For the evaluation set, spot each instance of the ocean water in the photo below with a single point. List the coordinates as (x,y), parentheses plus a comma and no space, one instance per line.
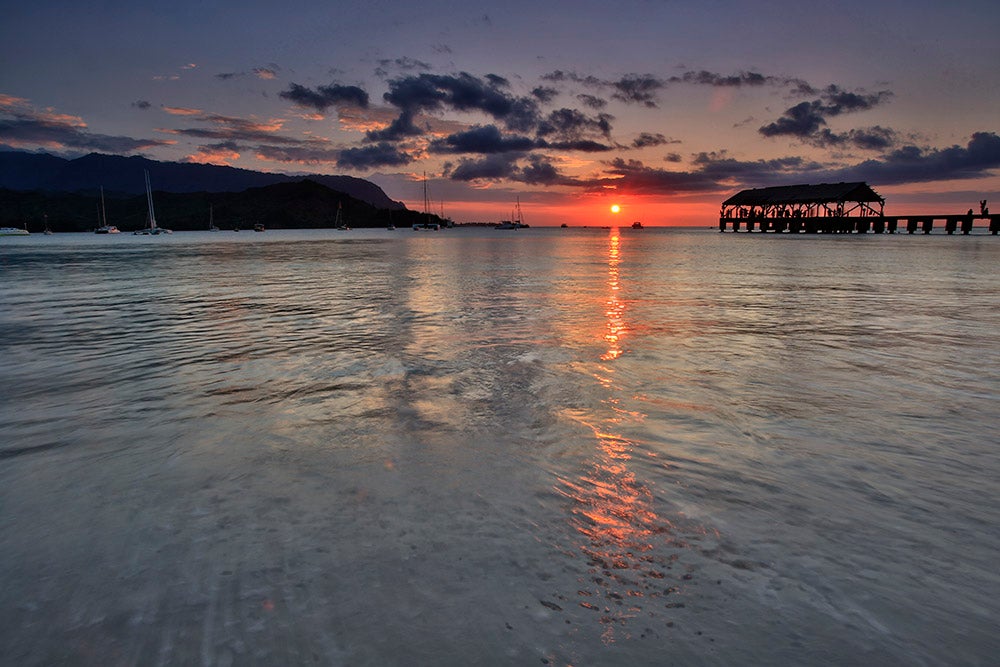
(545,446)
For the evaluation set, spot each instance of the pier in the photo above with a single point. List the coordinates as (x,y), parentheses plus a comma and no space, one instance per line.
(835,208)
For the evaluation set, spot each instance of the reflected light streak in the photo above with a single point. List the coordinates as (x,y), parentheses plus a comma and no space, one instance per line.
(627,545)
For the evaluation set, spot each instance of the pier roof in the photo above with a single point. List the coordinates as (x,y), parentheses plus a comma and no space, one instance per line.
(804,194)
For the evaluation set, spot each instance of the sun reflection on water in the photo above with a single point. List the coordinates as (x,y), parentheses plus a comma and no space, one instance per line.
(631,551)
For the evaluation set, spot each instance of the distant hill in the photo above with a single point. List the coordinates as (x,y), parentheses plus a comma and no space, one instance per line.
(124,176)
(299,205)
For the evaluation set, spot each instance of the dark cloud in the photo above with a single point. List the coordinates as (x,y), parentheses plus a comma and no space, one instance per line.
(638,89)
(646,139)
(463,92)
(325,97)
(231,128)
(592,101)
(540,171)
(404,64)
(806,120)
(492,167)
(570,124)
(537,171)
(544,94)
(582,145)
(483,139)
(672,157)
(141,104)
(875,138)
(634,177)
(401,128)
(802,120)
(705,78)
(912,164)
(298,154)
(225,76)
(383,154)
(27,127)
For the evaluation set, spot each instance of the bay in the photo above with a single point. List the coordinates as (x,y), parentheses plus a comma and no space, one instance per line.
(545,446)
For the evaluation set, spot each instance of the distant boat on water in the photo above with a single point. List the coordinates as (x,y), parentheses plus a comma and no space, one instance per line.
(636,225)
(102,218)
(259,227)
(13,231)
(516,221)
(151,228)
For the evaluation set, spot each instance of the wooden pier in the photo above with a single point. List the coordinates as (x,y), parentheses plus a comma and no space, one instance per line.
(834,208)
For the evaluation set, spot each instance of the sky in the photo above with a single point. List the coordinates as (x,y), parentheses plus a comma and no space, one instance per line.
(665,108)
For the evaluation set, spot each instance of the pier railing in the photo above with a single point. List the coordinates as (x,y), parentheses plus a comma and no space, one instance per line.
(879,224)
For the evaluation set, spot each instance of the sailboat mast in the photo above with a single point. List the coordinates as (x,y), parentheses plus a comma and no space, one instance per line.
(104,212)
(149,200)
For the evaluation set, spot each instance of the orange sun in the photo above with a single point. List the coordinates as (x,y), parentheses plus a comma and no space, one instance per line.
(615,208)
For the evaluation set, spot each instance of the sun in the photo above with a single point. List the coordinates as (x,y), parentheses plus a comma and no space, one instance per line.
(615,208)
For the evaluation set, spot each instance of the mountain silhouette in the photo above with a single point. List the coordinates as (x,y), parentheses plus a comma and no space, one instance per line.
(120,175)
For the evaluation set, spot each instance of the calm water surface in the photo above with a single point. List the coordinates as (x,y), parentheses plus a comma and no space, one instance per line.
(565,447)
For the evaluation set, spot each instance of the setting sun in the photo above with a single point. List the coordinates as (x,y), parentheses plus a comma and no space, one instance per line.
(615,208)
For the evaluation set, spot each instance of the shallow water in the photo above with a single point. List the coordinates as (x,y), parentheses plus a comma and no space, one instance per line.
(546,446)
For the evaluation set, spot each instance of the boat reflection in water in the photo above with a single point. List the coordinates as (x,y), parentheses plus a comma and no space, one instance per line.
(632,552)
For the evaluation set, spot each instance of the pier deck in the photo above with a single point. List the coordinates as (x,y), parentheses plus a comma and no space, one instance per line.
(879,224)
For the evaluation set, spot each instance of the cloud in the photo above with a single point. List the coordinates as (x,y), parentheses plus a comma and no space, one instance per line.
(315,153)
(225,153)
(400,128)
(231,128)
(383,154)
(463,92)
(806,120)
(592,101)
(912,164)
(570,124)
(492,167)
(325,97)
(266,72)
(638,89)
(705,78)
(405,64)
(141,104)
(483,139)
(544,94)
(23,126)
(647,139)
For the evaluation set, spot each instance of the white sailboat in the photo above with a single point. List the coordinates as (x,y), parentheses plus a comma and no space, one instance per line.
(151,227)
(211,220)
(102,218)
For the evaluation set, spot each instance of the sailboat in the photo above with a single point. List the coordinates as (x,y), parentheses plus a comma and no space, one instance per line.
(338,222)
(211,220)
(102,217)
(151,228)
(427,225)
(516,221)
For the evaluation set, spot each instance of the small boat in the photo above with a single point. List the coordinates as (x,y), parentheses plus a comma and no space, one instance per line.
(636,225)
(102,218)
(211,220)
(259,227)
(13,231)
